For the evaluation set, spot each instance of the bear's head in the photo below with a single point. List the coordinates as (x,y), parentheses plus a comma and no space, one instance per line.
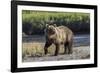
(50,29)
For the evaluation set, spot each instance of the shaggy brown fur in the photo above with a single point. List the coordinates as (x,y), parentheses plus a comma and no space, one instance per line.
(58,35)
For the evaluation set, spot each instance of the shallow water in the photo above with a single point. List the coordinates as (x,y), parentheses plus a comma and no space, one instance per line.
(82,40)
(79,40)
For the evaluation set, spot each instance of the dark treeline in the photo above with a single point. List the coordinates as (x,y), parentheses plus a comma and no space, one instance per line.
(34,21)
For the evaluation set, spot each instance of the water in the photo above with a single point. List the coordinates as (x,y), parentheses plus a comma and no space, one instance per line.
(82,40)
(79,40)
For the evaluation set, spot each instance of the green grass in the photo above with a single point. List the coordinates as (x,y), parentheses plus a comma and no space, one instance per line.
(38,20)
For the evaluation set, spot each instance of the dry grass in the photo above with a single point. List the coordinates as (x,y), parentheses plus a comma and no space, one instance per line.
(35,52)
(36,49)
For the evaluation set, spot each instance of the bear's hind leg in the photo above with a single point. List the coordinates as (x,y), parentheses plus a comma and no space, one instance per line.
(70,51)
(66,48)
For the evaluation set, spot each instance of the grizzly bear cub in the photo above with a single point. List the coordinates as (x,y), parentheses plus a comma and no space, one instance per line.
(57,36)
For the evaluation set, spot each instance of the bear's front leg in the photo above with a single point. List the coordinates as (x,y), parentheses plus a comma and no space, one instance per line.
(57,49)
(47,44)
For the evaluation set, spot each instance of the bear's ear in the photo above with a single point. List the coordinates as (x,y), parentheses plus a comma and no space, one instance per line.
(55,25)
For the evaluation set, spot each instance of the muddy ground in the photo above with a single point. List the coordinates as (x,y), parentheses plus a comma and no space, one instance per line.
(82,52)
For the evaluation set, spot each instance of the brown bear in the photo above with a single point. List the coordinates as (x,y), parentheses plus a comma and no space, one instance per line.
(58,35)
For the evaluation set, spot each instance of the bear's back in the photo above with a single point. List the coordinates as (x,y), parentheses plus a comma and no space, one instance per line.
(66,29)
(63,33)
